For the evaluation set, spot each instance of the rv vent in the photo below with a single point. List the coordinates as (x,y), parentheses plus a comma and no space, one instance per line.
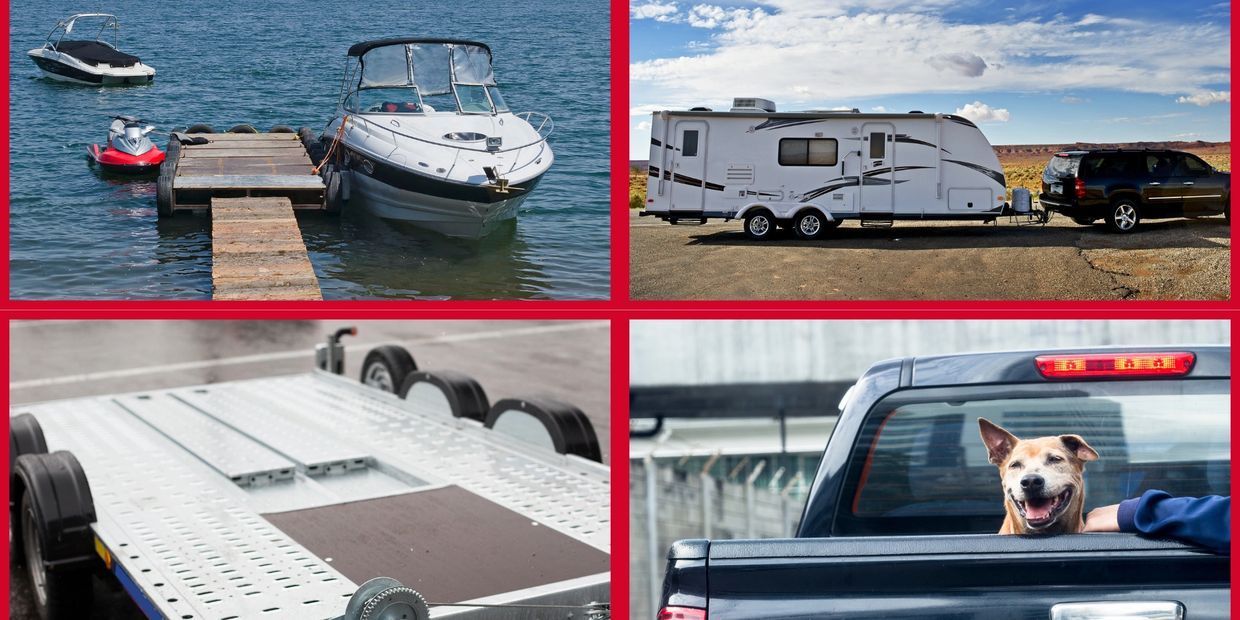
(750,104)
(739,174)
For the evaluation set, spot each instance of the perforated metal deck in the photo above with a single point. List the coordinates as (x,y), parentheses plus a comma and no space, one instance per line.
(172,509)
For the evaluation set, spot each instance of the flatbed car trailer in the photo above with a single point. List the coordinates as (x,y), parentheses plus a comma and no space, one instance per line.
(312,496)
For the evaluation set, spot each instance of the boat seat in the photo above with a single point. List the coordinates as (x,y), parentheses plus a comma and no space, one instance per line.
(95,53)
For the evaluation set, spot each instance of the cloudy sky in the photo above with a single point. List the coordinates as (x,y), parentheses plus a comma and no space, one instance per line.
(1041,71)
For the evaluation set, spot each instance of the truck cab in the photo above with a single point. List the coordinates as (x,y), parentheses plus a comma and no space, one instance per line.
(902,516)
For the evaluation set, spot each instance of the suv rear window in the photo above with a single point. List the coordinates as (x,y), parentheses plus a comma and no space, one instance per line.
(925,468)
(1063,165)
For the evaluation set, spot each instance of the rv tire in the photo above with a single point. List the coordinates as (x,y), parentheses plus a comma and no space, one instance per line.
(1123,216)
(810,224)
(760,225)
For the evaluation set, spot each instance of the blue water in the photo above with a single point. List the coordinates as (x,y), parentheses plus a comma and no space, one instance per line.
(76,234)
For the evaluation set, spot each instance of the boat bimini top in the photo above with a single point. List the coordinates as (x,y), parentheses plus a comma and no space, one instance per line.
(429,77)
(93,52)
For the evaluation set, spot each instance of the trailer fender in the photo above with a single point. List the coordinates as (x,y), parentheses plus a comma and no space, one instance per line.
(567,429)
(63,506)
(786,211)
(466,398)
(809,206)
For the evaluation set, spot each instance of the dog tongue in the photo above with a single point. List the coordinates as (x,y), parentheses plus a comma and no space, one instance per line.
(1038,510)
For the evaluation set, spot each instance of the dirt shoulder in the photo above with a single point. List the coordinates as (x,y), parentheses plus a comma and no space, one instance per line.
(1167,259)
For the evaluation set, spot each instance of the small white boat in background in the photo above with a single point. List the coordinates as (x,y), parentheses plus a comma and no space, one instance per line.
(89,61)
(423,135)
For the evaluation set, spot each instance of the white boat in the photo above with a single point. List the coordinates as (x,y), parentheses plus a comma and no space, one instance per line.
(89,61)
(423,135)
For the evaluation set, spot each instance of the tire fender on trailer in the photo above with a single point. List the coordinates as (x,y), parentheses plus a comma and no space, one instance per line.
(564,427)
(52,525)
(386,367)
(465,396)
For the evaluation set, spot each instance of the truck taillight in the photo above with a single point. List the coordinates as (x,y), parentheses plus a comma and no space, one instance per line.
(1080,188)
(681,613)
(1114,365)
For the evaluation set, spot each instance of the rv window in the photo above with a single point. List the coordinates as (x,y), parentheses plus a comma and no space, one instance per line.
(688,144)
(878,145)
(808,152)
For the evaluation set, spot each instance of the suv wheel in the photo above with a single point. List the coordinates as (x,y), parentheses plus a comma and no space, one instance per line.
(1123,216)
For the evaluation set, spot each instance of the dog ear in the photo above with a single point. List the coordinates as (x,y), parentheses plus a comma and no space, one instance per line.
(1077,445)
(998,441)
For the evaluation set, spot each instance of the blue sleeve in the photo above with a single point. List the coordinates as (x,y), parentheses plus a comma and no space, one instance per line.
(1204,521)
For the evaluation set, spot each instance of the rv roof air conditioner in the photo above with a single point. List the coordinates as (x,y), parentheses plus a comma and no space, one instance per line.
(752,104)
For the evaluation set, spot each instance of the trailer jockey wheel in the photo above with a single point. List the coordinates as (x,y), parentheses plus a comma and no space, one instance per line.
(459,393)
(25,437)
(54,533)
(384,598)
(386,367)
(546,423)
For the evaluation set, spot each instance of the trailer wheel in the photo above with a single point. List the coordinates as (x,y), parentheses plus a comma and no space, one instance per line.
(200,128)
(760,225)
(546,423)
(1123,216)
(812,225)
(243,128)
(25,437)
(282,129)
(387,367)
(464,395)
(52,528)
(163,195)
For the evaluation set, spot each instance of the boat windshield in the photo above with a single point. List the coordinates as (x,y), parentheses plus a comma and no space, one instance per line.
(421,77)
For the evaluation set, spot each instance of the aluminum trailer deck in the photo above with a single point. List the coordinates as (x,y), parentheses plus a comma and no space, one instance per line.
(277,497)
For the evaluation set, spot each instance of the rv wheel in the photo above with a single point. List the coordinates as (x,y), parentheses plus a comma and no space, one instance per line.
(811,225)
(760,225)
(1123,216)
(386,367)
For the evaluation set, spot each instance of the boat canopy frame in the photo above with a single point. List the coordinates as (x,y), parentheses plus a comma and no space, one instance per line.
(65,27)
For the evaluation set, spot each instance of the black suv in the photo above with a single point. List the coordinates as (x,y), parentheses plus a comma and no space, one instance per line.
(1124,187)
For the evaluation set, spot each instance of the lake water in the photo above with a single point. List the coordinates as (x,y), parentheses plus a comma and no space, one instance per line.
(76,234)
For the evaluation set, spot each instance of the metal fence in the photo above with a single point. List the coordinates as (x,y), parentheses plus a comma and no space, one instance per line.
(674,499)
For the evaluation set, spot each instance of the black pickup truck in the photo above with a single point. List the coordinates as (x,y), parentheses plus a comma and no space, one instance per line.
(902,516)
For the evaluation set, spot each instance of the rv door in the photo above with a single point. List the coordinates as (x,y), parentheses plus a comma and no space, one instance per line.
(878,188)
(688,165)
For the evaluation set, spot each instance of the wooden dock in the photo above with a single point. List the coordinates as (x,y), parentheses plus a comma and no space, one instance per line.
(240,165)
(257,252)
(251,183)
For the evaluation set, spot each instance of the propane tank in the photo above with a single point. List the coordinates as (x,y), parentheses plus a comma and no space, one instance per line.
(1022,200)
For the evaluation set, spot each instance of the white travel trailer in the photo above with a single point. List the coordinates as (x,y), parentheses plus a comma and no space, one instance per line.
(809,171)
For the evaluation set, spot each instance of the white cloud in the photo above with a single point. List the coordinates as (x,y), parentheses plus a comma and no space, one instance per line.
(1073,100)
(823,42)
(658,11)
(964,63)
(1205,98)
(979,112)
(880,109)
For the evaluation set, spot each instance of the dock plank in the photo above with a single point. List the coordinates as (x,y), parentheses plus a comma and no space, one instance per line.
(258,253)
(248,181)
(203,151)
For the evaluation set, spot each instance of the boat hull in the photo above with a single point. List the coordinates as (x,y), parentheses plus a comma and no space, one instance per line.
(447,216)
(64,72)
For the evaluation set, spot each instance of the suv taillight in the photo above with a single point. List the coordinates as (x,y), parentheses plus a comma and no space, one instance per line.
(1080,188)
(681,613)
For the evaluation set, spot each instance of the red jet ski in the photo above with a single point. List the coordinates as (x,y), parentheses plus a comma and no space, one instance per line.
(128,151)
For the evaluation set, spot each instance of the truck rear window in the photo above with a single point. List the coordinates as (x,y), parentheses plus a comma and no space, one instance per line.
(923,467)
(1063,165)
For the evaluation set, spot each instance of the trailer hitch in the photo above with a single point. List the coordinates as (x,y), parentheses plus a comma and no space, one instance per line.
(329,356)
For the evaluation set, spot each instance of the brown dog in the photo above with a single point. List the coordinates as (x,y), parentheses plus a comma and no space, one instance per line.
(1043,488)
